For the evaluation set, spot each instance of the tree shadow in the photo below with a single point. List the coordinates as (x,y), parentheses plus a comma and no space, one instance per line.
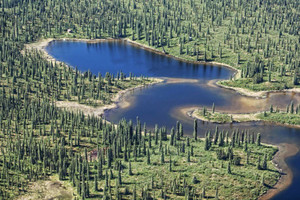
(269,186)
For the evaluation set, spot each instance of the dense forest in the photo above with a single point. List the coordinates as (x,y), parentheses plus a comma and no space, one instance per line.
(261,38)
(127,161)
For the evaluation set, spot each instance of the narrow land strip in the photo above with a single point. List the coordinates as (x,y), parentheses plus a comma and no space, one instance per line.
(232,117)
(279,160)
(99,111)
(256,94)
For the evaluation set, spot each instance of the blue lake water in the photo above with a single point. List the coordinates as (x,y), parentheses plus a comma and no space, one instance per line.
(292,192)
(162,104)
(117,56)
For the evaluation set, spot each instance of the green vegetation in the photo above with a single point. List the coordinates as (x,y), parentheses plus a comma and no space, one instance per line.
(102,160)
(252,36)
(290,116)
(281,117)
(247,83)
(30,76)
(213,116)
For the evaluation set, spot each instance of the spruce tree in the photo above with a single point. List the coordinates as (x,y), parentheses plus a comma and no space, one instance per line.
(129,169)
(258,163)
(264,164)
(258,138)
(148,157)
(195,133)
(229,168)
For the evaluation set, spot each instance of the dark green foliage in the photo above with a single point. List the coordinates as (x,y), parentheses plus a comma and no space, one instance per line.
(295,79)
(130,170)
(170,165)
(258,138)
(207,144)
(229,168)
(39,140)
(222,155)
(148,157)
(195,133)
(246,146)
(258,163)
(236,160)
(194,180)
(248,158)
(162,157)
(264,164)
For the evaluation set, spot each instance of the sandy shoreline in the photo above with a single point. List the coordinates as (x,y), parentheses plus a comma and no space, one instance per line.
(43,43)
(258,94)
(244,117)
(75,106)
(40,45)
(249,93)
(99,111)
(241,117)
(236,74)
(118,100)
(285,151)
(180,80)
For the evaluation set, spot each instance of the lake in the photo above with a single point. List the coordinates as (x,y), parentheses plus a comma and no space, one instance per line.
(166,103)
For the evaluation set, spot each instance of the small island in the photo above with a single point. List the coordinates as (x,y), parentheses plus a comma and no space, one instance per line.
(290,116)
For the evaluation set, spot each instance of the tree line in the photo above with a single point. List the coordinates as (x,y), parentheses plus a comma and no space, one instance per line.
(250,35)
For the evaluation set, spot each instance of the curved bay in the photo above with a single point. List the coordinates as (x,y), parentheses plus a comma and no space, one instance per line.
(164,104)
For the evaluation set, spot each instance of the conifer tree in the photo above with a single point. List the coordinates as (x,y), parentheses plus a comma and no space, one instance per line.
(258,138)
(130,170)
(148,157)
(229,168)
(264,164)
(195,133)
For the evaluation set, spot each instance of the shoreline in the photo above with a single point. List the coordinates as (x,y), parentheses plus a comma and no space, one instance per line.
(284,151)
(237,72)
(100,110)
(118,100)
(43,43)
(241,117)
(74,105)
(258,94)
(249,93)
(244,117)
(40,45)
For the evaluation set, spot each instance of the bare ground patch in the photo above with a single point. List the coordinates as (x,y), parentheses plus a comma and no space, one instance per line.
(48,190)
(181,80)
